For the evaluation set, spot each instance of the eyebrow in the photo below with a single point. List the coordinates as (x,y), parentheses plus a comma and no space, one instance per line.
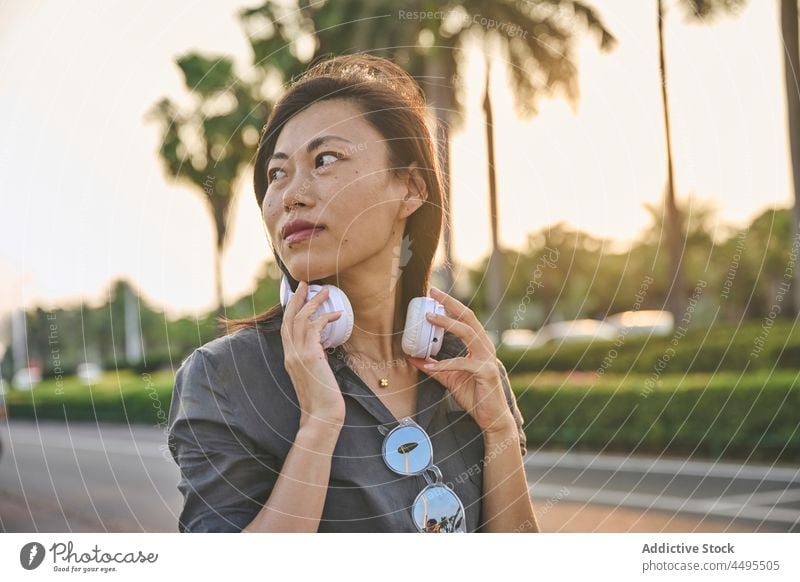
(312,145)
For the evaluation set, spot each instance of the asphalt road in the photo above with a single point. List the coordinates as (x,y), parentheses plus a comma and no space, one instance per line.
(85,477)
(730,496)
(81,477)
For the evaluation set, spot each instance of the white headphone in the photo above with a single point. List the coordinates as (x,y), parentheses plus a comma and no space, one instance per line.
(421,338)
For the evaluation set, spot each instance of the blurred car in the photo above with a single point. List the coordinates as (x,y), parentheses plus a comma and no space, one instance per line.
(645,322)
(26,378)
(88,372)
(633,323)
(519,338)
(576,330)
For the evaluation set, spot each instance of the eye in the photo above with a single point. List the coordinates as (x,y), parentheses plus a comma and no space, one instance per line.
(332,157)
(271,174)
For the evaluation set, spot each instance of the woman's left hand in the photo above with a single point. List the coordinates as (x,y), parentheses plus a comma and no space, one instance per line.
(473,380)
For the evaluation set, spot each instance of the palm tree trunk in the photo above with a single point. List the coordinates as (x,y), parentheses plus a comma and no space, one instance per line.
(495,275)
(791,66)
(675,295)
(441,100)
(218,279)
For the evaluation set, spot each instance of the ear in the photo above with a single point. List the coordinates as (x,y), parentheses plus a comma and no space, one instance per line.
(416,191)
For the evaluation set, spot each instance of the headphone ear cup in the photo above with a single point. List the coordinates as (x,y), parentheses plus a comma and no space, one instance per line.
(421,338)
(336,332)
(285,292)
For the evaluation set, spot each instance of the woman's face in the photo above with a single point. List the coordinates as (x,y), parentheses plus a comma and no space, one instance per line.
(330,167)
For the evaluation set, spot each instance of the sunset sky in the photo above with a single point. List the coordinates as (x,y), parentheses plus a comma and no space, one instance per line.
(84,198)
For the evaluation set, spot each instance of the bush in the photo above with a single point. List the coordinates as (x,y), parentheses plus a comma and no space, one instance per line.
(723,348)
(719,416)
(118,397)
(713,416)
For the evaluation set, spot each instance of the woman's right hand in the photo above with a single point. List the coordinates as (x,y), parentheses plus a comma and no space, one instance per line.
(318,392)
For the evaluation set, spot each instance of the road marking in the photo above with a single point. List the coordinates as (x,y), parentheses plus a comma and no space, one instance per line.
(550,460)
(665,503)
(769,498)
(115,446)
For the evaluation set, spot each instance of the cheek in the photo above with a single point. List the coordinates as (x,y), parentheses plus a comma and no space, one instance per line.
(371,199)
(371,214)
(270,214)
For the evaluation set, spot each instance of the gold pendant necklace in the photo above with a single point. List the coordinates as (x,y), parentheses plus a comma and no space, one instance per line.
(382,382)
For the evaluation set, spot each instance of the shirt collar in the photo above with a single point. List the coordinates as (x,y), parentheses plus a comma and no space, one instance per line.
(430,393)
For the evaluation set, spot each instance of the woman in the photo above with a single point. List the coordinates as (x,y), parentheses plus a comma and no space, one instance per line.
(271,431)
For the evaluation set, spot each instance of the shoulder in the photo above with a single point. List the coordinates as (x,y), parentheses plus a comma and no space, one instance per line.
(214,380)
(225,364)
(242,348)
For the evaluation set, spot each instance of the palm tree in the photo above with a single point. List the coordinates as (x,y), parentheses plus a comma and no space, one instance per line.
(494,271)
(791,66)
(496,266)
(699,11)
(535,39)
(210,144)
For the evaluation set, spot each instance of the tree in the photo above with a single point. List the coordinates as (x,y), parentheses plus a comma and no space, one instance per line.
(699,11)
(496,276)
(535,39)
(209,144)
(791,67)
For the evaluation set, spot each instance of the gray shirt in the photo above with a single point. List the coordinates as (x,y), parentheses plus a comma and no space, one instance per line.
(234,415)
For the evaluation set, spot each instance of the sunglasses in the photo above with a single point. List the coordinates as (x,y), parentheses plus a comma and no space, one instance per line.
(407,450)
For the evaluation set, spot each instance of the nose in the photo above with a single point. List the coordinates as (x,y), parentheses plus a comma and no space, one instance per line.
(298,192)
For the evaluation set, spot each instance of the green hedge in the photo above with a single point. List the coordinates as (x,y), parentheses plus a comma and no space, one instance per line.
(719,415)
(722,348)
(712,416)
(118,397)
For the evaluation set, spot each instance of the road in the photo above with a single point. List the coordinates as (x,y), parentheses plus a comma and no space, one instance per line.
(83,477)
(715,496)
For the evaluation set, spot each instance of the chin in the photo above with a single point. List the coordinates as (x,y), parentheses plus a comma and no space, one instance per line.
(301,270)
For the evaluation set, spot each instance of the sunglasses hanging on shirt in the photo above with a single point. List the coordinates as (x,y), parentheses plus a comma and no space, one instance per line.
(407,450)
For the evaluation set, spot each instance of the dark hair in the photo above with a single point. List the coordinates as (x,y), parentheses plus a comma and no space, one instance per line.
(393,103)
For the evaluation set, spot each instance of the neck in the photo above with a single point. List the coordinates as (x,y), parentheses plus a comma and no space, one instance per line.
(373,288)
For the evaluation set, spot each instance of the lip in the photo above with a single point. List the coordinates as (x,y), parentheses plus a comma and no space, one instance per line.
(305,234)
(298,225)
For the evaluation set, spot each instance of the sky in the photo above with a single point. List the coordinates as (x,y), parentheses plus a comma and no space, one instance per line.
(84,200)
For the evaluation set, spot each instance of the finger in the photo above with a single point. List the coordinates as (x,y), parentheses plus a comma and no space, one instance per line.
(313,304)
(324,319)
(456,309)
(476,342)
(315,327)
(307,311)
(458,328)
(452,379)
(462,364)
(290,311)
(296,301)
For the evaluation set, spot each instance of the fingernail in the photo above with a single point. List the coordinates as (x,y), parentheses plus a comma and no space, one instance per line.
(429,366)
